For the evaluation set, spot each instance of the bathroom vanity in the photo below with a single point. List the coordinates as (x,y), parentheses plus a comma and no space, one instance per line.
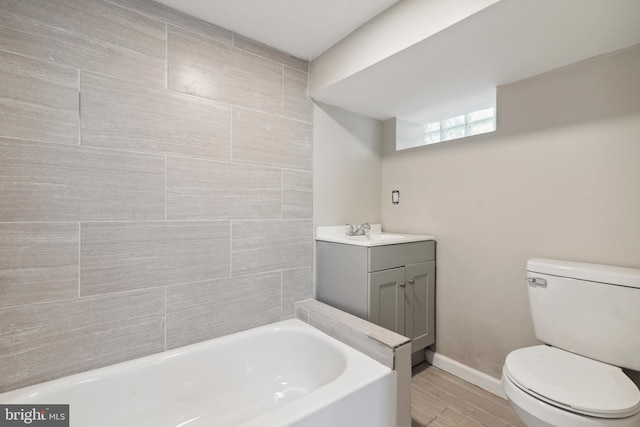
(386,278)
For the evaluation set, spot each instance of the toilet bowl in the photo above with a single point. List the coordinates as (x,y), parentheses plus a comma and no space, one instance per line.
(549,387)
(588,317)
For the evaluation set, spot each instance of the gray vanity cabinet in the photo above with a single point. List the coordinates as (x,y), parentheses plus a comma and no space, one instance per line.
(391,285)
(401,299)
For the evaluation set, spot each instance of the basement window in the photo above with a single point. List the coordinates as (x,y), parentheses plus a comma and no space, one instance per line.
(475,123)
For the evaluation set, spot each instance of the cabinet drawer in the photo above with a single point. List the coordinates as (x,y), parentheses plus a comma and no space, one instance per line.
(391,256)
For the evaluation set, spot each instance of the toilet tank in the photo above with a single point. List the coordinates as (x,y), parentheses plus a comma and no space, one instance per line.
(589,309)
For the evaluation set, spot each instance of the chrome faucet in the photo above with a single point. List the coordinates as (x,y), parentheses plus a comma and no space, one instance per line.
(358,230)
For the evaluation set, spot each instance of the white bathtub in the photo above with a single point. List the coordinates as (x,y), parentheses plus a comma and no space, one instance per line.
(283,374)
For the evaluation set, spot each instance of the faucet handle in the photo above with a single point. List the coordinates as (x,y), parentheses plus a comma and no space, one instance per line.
(352,230)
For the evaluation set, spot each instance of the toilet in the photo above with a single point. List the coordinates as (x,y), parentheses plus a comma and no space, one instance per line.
(588,316)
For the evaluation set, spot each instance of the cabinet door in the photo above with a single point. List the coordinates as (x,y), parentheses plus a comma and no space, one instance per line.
(420,304)
(386,299)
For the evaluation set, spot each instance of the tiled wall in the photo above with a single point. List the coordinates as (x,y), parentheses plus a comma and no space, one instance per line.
(155,184)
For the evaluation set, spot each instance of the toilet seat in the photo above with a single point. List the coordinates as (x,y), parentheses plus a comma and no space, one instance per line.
(572,382)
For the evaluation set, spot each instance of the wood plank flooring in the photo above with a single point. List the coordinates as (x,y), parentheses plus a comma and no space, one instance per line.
(439,399)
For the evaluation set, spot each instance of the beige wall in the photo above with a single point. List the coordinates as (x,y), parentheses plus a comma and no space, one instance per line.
(559,179)
(347,149)
(155,184)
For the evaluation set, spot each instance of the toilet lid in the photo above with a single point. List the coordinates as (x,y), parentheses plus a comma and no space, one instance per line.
(573,382)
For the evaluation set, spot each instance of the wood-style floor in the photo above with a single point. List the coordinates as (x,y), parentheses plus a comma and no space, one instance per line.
(439,399)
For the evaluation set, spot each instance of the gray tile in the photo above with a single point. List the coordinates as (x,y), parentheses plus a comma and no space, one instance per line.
(133,255)
(38,262)
(268,52)
(353,338)
(41,342)
(120,114)
(87,34)
(271,140)
(55,182)
(297,105)
(342,317)
(389,338)
(201,189)
(297,194)
(302,312)
(259,246)
(200,66)
(38,100)
(161,12)
(201,311)
(297,285)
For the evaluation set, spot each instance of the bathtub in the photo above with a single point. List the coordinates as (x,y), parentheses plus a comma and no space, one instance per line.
(284,374)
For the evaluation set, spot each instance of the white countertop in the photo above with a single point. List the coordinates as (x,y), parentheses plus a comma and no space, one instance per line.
(374,237)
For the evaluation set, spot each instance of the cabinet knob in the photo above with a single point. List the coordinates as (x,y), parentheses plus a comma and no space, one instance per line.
(411,281)
(401,284)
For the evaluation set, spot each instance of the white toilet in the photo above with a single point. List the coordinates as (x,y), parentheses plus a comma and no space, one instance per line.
(589,315)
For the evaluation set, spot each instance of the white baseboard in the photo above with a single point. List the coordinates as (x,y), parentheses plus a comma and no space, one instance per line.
(473,376)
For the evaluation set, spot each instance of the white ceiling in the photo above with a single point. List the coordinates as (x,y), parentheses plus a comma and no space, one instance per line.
(456,68)
(302,28)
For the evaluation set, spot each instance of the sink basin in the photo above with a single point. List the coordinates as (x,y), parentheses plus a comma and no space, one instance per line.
(377,237)
(386,236)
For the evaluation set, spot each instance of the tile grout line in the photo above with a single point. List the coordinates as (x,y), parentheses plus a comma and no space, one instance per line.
(166,55)
(124,291)
(166,187)
(154,154)
(282,116)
